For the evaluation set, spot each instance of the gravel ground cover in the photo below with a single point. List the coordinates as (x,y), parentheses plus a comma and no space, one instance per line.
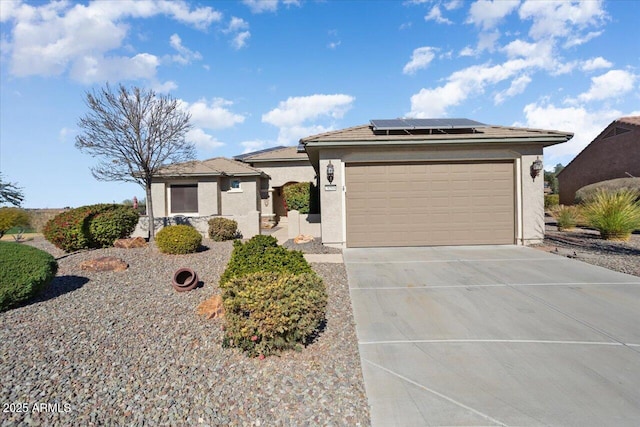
(312,247)
(125,349)
(586,245)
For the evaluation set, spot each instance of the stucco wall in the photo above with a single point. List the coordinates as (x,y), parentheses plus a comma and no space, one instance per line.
(284,172)
(239,202)
(603,159)
(529,193)
(208,200)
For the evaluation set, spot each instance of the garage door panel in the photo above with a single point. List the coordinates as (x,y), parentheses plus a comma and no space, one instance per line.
(430,204)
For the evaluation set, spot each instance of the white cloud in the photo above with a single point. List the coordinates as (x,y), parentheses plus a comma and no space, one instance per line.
(60,36)
(237,24)
(595,64)
(585,125)
(202,140)
(420,59)
(259,6)
(453,4)
(612,84)
(436,15)
(562,18)
(292,116)
(239,28)
(185,55)
(212,115)
(240,40)
(518,85)
(488,13)
(255,145)
(578,40)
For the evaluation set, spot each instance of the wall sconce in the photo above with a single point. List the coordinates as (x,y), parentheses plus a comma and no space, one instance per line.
(536,168)
(330,172)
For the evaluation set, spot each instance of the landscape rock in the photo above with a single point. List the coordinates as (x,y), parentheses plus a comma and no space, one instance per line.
(302,238)
(212,307)
(134,242)
(107,263)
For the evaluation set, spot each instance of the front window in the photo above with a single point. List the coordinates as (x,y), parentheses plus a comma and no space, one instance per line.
(235,184)
(184,198)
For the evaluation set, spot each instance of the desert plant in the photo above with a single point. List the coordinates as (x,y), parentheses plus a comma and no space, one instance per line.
(614,214)
(221,229)
(92,226)
(178,239)
(259,255)
(269,312)
(551,201)
(24,271)
(587,192)
(12,217)
(567,217)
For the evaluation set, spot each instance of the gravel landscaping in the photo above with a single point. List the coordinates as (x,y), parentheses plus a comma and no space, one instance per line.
(586,245)
(123,348)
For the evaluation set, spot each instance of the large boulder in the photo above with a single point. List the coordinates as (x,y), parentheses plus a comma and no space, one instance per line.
(134,242)
(107,263)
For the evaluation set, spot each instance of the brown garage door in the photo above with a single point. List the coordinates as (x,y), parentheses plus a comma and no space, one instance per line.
(424,204)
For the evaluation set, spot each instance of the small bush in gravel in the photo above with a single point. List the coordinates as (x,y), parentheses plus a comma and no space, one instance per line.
(24,271)
(269,312)
(178,239)
(221,229)
(93,226)
(260,254)
(567,217)
(614,214)
(12,217)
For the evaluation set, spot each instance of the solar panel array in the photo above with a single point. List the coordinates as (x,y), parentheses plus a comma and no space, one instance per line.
(409,124)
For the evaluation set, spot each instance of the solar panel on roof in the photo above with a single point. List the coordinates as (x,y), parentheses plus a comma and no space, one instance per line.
(407,124)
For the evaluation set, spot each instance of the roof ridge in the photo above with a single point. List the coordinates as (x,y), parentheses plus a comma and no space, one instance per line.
(335,131)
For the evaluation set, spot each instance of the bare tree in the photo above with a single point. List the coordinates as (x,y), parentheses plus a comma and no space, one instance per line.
(135,133)
(10,193)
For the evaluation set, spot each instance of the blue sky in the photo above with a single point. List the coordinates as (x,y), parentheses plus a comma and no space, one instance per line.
(256,74)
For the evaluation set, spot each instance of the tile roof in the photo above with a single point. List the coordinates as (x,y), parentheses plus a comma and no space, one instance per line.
(631,120)
(273,154)
(215,166)
(366,133)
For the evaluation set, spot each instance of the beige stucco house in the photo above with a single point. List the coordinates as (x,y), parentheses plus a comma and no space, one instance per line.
(284,166)
(197,190)
(430,185)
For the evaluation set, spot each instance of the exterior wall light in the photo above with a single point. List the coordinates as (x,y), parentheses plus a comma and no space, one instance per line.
(330,171)
(536,167)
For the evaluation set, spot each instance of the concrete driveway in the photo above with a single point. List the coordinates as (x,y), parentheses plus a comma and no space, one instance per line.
(495,335)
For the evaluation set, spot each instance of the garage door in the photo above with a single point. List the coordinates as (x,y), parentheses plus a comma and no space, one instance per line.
(425,204)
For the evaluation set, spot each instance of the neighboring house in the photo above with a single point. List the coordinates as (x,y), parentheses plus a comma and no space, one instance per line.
(430,182)
(615,153)
(198,190)
(284,165)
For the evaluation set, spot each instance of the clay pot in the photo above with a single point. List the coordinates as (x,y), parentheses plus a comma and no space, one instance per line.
(184,279)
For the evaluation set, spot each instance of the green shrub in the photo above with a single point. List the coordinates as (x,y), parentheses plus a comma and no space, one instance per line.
(262,254)
(221,229)
(24,271)
(12,217)
(551,201)
(587,192)
(269,312)
(178,239)
(302,197)
(567,217)
(92,226)
(614,214)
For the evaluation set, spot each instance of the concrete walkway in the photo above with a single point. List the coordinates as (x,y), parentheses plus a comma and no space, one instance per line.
(497,335)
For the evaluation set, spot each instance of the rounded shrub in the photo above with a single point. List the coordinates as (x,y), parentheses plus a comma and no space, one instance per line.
(262,254)
(221,229)
(586,193)
(614,214)
(302,197)
(567,217)
(551,201)
(93,226)
(266,312)
(178,239)
(24,271)
(12,217)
